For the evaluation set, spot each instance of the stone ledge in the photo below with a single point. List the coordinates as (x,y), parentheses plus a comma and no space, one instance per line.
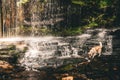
(5,65)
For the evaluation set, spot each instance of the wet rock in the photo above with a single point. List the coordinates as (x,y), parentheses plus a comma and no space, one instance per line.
(5,65)
(67,78)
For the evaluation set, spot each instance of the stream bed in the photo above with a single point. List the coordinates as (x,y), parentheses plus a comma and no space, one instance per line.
(53,58)
(100,68)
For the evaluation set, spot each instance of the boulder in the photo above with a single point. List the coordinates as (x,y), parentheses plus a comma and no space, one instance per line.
(5,65)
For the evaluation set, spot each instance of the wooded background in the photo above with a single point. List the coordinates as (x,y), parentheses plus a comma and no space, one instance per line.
(60,17)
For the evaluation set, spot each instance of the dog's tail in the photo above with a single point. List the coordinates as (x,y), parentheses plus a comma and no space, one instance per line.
(100,44)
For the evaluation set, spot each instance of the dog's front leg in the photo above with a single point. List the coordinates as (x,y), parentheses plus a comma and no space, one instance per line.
(93,55)
(99,52)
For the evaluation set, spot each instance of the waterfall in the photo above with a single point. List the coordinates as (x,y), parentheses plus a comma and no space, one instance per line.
(109,47)
(46,51)
(106,40)
(51,51)
(38,18)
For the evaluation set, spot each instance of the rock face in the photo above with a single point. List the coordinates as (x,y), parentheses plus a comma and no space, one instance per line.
(10,51)
(5,52)
(51,51)
(116,42)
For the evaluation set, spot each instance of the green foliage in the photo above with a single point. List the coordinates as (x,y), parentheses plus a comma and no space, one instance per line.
(92,22)
(98,21)
(105,3)
(90,25)
(82,3)
(96,13)
(71,31)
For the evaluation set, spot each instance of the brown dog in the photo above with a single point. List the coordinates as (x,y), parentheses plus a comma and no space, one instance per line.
(95,50)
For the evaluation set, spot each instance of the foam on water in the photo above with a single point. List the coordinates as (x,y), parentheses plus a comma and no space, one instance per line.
(42,50)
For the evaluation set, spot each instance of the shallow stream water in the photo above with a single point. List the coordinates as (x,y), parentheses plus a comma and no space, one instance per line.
(49,58)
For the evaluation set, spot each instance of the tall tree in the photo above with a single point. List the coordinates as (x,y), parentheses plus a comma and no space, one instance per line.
(1,19)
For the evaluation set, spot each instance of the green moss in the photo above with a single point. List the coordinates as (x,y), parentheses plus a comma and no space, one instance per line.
(67,67)
(78,2)
(91,25)
(68,32)
(27,30)
(11,47)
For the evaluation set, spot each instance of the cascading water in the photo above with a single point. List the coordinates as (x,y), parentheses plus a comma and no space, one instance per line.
(37,52)
(51,51)
(44,16)
(109,48)
(107,41)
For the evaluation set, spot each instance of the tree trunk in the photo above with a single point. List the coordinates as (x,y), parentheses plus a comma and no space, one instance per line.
(1,19)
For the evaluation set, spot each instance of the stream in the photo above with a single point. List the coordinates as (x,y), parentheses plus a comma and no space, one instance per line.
(50,58)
